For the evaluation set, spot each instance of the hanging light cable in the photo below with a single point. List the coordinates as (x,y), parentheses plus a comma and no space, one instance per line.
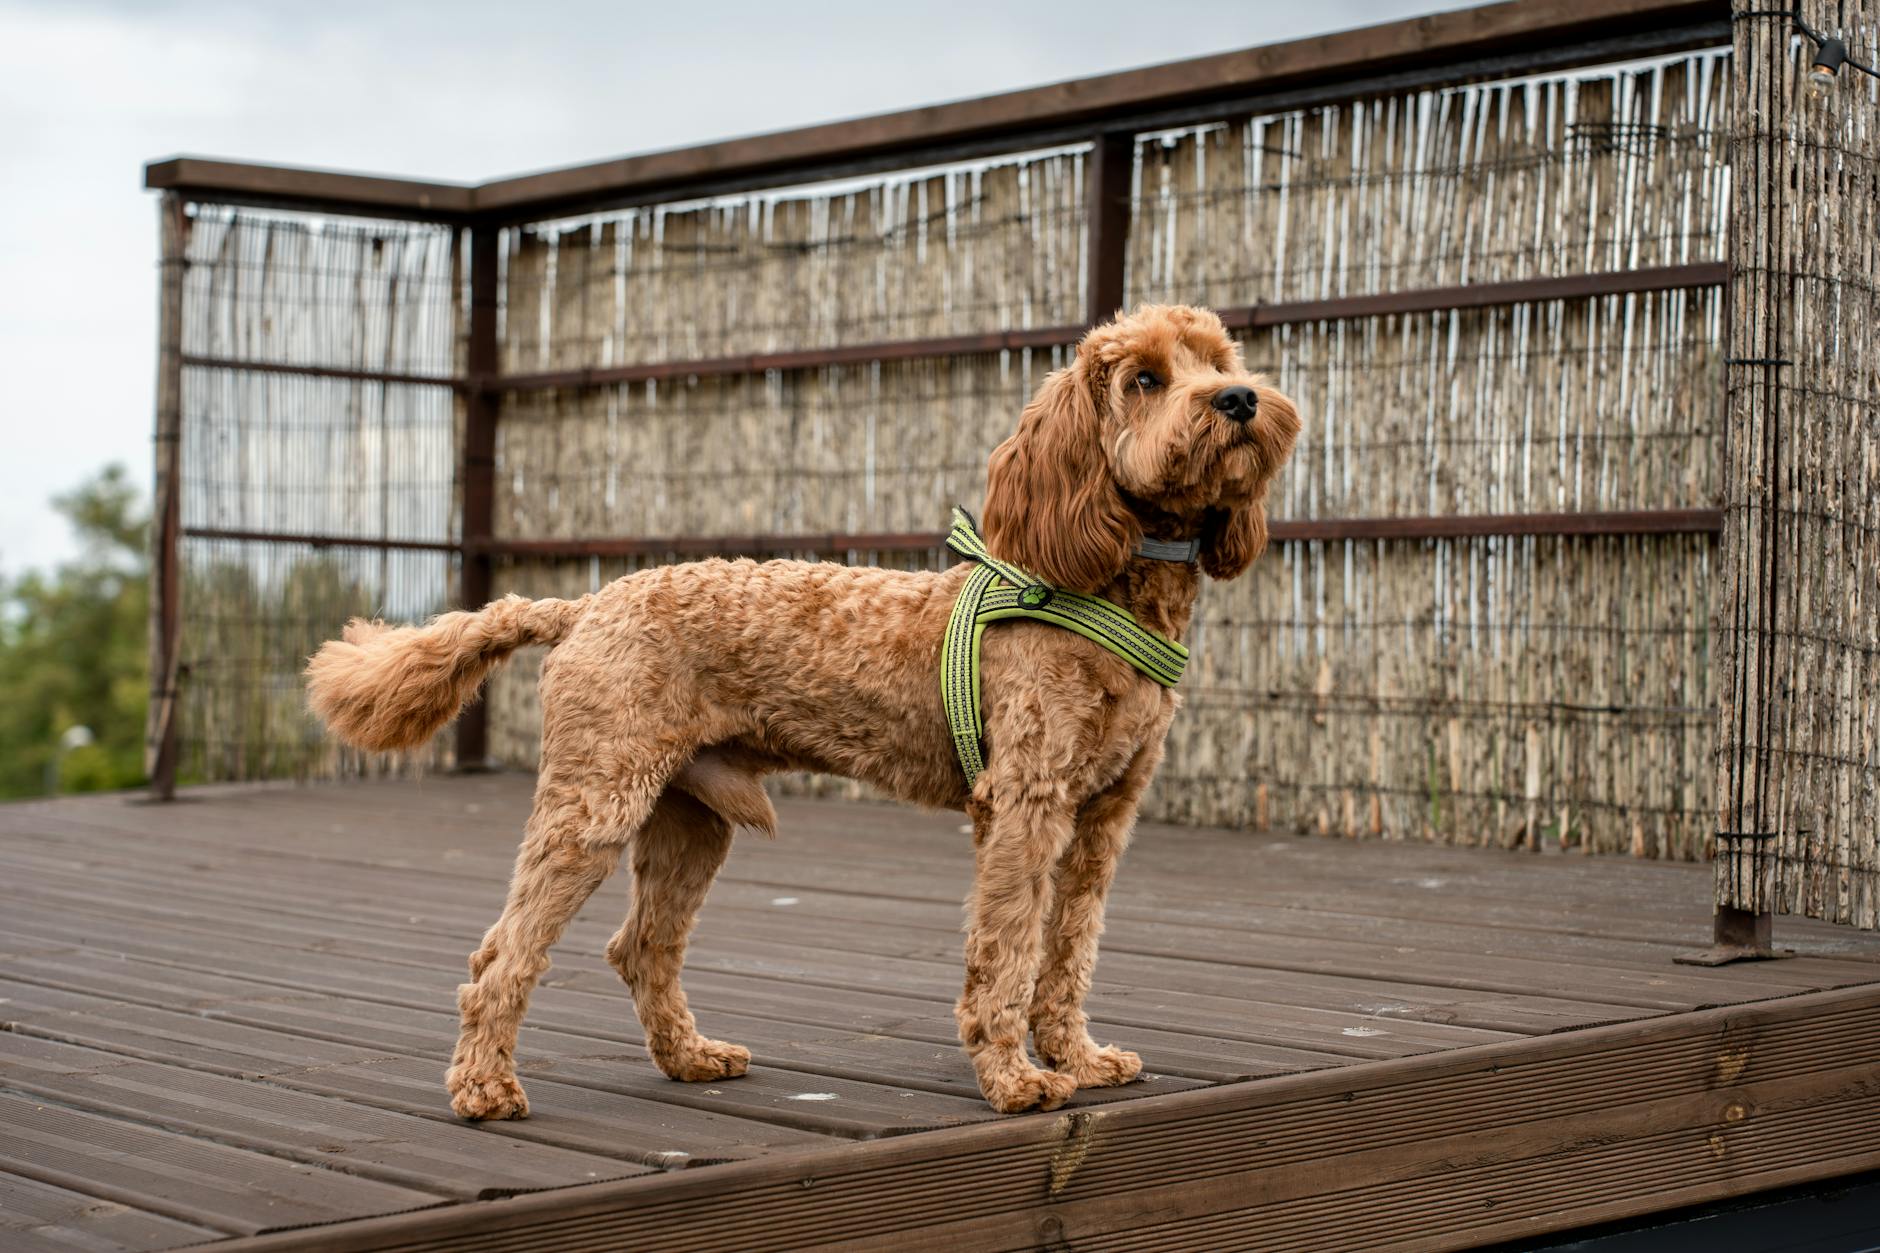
(1830,52)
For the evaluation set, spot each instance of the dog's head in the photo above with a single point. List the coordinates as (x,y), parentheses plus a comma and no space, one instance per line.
(1156,424)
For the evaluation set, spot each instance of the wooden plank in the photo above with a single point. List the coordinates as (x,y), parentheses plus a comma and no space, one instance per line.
(1282,530)
(1107,286)
(242,182)
(588,1121)
(450,1159)
(1454,1150)
(193,361)
(1345,57)
(1444,937)
(1221,1016)
(772,1095)
(864,1084)
(1492,40)
(1621,898)
(805,928)
(320,541)
(724,1002)
(319,961)
(1481,295)
(1610,972)
(190,1180)
(1124,974)
(39,1218)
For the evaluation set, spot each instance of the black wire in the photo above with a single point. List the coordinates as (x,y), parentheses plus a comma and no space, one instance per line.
(1816,36)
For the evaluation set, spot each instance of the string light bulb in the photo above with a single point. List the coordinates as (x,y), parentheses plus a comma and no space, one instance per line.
(1829,59)
(1830,56)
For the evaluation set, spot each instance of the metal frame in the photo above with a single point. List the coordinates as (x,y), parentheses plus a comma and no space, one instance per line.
(1107,111)
(1106,285)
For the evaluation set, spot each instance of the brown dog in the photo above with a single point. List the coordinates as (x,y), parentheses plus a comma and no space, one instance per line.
(671,692)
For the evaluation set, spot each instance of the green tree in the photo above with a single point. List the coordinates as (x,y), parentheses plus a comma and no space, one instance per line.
(73,651)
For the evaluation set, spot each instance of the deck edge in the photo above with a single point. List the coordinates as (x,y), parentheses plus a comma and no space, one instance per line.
(1589,1126)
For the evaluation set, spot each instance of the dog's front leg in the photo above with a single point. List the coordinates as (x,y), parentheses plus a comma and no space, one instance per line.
(1059,1026)
(1022,833)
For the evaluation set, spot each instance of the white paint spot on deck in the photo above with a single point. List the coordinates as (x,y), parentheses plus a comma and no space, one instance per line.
(783,900)
(814,1096)
(1363,1032)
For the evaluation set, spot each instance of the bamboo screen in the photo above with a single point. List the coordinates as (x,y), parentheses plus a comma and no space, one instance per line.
(1798,658)
(265,451)
(1497,690)
(1491,691)
(873,447)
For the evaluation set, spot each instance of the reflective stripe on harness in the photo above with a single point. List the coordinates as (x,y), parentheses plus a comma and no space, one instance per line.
(997,590)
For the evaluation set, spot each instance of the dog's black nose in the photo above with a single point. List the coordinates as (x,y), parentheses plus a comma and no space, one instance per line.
(1237,403)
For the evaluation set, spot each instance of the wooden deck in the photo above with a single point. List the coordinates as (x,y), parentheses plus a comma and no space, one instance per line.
(229,1017)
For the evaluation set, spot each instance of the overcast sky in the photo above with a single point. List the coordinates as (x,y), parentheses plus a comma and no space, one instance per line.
(91,89)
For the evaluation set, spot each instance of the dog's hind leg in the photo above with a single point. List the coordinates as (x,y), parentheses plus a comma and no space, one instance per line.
(1059,1026)
(676,855)
(557,868)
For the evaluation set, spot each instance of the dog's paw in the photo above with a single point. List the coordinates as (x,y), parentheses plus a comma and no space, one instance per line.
(699,1060)
(479,1097)
(1106,1067)
(1014,1085)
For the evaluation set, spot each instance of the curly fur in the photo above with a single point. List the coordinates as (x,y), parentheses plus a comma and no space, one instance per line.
(671,692)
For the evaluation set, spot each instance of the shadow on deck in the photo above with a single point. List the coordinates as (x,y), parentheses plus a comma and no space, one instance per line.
(229,1017)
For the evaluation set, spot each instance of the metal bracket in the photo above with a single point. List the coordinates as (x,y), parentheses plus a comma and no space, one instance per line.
(1736,935)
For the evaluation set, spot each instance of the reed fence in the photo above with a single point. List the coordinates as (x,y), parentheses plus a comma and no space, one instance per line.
(364,470)
(1798,656)
(1494,280)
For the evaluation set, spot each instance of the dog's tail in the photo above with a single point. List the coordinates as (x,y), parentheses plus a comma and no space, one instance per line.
(384,687)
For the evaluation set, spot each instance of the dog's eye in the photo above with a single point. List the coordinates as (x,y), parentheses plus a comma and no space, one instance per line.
(1148,381)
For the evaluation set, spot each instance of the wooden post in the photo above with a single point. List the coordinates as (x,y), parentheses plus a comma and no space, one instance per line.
(1106,207)
(1747,606)
(166,584)
(478,471)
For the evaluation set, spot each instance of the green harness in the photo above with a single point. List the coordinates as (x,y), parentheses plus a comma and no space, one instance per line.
(997,590)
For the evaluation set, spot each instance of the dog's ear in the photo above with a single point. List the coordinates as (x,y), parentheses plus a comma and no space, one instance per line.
(1232,538)
(1051,505)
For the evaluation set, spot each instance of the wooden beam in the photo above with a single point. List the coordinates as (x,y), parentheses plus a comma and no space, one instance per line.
(1513,28)
(166,573)
(192,361)
(320,541)
(482,408)
(1460,526)
(1481,295)
(1471,526)
(290,187)
(1247,317)
(795,359)
(1458,1149)
(1112,166)
(1492,40)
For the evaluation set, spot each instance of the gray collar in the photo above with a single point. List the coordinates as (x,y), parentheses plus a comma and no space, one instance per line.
(1170,549)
